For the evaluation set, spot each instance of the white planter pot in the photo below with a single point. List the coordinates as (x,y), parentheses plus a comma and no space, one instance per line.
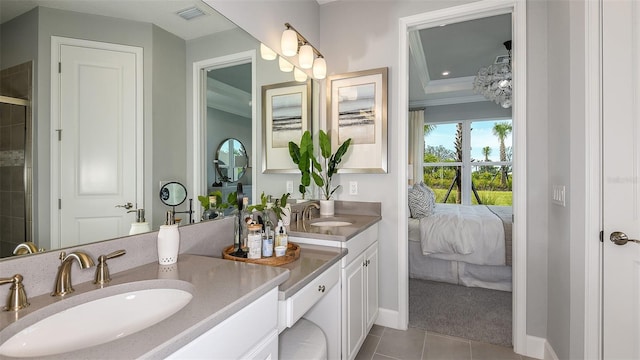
(327,207)
(286,215)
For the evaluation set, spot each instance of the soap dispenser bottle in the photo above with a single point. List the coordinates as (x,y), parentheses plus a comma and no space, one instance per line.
(168,241)
(141,225)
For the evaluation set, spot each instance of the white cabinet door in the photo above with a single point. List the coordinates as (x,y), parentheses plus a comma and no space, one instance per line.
(371,289)
(353,282)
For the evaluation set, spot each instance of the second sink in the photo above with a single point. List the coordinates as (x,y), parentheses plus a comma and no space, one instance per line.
(330,221)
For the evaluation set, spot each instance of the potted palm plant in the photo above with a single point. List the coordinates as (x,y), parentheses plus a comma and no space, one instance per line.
(301,156)
(321,169)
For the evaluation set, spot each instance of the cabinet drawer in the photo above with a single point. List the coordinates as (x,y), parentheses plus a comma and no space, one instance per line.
(297,305)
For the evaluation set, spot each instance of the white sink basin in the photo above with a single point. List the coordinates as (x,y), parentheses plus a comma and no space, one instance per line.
(330,222)
(96,322)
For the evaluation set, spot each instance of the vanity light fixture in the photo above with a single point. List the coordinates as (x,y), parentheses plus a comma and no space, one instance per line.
(299,75)
(285,66)
(266,53)
(292,43)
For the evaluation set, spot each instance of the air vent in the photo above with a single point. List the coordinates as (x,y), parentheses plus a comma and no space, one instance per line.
(190,13)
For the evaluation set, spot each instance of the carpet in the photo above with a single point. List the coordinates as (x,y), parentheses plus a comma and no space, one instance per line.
(467,312)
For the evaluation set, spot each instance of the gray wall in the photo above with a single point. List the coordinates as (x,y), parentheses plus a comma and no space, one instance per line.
(168,128)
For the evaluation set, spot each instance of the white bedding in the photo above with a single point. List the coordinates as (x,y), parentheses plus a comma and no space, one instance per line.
(469,233)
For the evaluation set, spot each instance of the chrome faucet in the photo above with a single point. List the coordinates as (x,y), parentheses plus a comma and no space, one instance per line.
(63,278)
(26,248)
(306,212)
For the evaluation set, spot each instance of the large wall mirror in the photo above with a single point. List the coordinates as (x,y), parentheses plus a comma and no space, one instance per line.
(170,45)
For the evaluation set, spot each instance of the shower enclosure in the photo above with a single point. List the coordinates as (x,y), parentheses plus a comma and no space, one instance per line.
(16,222)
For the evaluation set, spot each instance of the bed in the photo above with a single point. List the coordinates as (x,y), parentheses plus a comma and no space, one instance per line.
(468,245)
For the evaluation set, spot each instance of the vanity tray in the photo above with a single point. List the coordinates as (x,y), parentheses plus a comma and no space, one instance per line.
(292,254)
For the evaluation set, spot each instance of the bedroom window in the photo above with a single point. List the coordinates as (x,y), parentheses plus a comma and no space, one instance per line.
(469,162)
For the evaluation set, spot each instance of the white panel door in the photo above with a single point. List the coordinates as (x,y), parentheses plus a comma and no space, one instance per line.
(621,178)
(98,143)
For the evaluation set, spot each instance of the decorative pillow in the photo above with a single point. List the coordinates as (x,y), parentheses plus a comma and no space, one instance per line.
(431,196)
(421,201)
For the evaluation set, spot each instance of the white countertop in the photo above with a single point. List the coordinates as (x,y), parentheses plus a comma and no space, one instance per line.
(219,288)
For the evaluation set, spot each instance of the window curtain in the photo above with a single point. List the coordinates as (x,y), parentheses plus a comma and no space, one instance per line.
(416,146)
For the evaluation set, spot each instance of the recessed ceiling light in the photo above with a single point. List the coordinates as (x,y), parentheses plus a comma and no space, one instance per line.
(445,73)
(190,13)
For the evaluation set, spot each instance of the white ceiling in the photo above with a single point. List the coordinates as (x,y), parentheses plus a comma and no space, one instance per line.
(159,12)
(460,48)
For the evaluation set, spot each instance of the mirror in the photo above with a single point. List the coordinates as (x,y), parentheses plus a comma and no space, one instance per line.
(231,161)
(173,193)
(152,25)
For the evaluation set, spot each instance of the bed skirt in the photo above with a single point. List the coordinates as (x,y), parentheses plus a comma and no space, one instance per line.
(457,272)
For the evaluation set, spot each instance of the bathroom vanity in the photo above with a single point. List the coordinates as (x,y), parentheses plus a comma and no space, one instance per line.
(358,271)
(237,309)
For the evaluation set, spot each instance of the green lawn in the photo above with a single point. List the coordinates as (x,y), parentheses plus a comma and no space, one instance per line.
(504,198)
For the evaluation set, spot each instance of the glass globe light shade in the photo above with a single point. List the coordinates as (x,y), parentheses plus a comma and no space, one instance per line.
(289,42)
(305,56)
(266,53)
(285,66)
(319,68)
(299,75)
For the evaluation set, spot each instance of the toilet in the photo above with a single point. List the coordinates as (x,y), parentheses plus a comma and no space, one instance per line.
(304,340)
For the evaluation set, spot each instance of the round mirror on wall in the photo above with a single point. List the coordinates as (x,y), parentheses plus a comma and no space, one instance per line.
(173,193)
(231,160)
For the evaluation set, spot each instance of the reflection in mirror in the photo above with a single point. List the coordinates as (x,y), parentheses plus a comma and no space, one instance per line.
(173,193)
(231,161)
(169,44)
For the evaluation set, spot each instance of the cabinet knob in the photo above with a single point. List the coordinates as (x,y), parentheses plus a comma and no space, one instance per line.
(321,288)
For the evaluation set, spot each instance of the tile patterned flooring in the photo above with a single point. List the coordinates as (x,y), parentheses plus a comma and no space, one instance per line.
(384,343)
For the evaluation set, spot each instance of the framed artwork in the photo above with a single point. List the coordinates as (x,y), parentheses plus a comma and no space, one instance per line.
(357,109)
(286,114)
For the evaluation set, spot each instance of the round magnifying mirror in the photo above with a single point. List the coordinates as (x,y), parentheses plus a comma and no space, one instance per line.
(173,193)
(231,160)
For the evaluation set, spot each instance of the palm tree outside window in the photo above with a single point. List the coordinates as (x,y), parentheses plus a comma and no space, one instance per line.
(460,162)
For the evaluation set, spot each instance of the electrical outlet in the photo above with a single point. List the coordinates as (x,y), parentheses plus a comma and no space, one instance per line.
(353,188)
(290,186)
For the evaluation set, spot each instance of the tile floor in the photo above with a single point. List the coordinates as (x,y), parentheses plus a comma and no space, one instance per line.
(385,343)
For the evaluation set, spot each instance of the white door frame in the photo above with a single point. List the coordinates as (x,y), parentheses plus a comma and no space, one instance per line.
(521,343)
(593,174)
(199,128)
(56,43)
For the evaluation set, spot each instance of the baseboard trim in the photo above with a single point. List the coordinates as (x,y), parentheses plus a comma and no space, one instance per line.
(549,354)
(389,318)
(539,348)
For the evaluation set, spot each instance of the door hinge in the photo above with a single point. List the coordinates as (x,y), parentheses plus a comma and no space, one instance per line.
(59,131)
(601,236)
(59,204)
(59,67)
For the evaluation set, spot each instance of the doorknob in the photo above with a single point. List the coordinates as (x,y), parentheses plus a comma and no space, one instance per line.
(620,238)
(126,206)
